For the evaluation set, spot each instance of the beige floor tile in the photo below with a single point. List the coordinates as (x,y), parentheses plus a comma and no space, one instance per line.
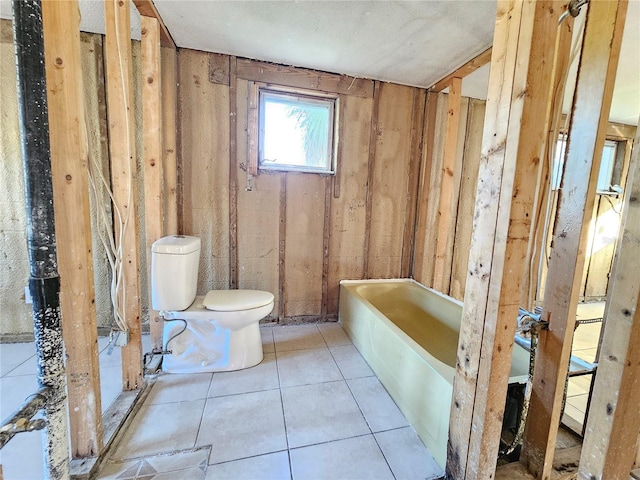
(378,408)
(110,385)
(241,426)
(579,402)
(407,456)
(263,376)
(321,413)
(297,337)
(179,387)
(21,458)
(303,367)
(357,458)
(14,354)
(574,413)
(14,391)
(333,334)
(273,466)
(350,362)
(161,428)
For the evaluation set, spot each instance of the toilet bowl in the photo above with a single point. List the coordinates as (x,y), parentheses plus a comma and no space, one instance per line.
(216,332)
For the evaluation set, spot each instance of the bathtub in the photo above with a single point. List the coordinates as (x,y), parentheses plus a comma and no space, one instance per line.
(409,336)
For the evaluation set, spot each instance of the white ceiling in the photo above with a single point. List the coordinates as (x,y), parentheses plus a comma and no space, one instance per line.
(412,42)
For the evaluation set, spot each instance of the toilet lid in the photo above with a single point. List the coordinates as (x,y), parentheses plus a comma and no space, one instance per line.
(232,300)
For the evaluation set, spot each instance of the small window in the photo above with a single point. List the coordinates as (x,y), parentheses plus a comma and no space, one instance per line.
(605,175)
(296,132)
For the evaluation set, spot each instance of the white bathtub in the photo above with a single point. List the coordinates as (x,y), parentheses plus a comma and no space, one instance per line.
(409,336)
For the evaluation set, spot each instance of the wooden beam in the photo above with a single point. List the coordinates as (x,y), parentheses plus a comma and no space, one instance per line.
(446,183)
(169,83)
(303,78)
(428,137)
(69,160)
(613,424)
(146,8)
(515,129)
(152,144)
(122,152)
(233,175)
(417,126)
(587,128)
(461,72)
(373,141)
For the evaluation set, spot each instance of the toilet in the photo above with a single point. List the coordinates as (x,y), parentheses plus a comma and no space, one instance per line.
(217,332)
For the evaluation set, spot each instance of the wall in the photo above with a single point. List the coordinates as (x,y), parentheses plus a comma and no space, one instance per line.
(15,315)
(299,234)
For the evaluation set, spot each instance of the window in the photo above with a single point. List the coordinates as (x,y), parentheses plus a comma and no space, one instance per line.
(296,132)
(606,182)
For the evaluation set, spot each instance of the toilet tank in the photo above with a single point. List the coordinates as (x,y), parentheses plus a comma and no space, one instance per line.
(174,272)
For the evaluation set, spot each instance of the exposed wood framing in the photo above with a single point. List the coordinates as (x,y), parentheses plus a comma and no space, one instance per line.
(515,131)
(152,142)
(252,128)
(340,147)
(146,8)
(282,243)
(592,101)
(428,134)
(613,425)
(373,141)
(69,160)
(123,171)
(446,183)
(326,245)
(233,175)
(466,200)
(461,72)
(417,126)
(169,81)
(309,79)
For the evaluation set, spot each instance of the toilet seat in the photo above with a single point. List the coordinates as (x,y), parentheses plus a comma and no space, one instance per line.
(236,300)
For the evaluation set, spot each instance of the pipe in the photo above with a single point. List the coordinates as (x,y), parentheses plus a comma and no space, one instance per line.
(44,281)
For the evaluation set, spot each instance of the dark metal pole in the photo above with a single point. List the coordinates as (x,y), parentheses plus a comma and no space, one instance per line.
(44,282)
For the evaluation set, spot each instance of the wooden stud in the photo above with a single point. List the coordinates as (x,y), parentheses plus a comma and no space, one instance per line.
(303,78)
(69,160)
(466,201)
(123,173)
(373,140)
(152,141)
(613,424)
(417,126)
(233,176)
(515,130)
(169,81)
(252,128)
(282,243)
(430,120)
(326,244)
(461,72)
(146,8)
(446,183)
(592,101)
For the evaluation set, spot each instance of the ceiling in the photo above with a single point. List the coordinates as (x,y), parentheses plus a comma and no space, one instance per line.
(412,42)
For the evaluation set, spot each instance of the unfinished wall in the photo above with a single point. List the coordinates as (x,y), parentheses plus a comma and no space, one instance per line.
(298,234)
(15,315)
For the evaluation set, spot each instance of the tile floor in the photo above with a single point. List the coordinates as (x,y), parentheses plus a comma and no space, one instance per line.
(21,458)
(311,410)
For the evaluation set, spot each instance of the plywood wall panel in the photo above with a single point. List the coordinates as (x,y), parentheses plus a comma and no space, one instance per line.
(390,177)
(305,195)
(347,227)
(204,109)
(467,198)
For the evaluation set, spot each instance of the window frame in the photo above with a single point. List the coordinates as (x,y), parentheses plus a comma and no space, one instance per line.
(301,96)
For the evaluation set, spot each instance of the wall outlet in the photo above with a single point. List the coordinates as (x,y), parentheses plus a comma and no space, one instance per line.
(27,295)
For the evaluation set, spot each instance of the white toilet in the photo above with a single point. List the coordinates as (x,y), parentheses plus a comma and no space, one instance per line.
(217,332)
